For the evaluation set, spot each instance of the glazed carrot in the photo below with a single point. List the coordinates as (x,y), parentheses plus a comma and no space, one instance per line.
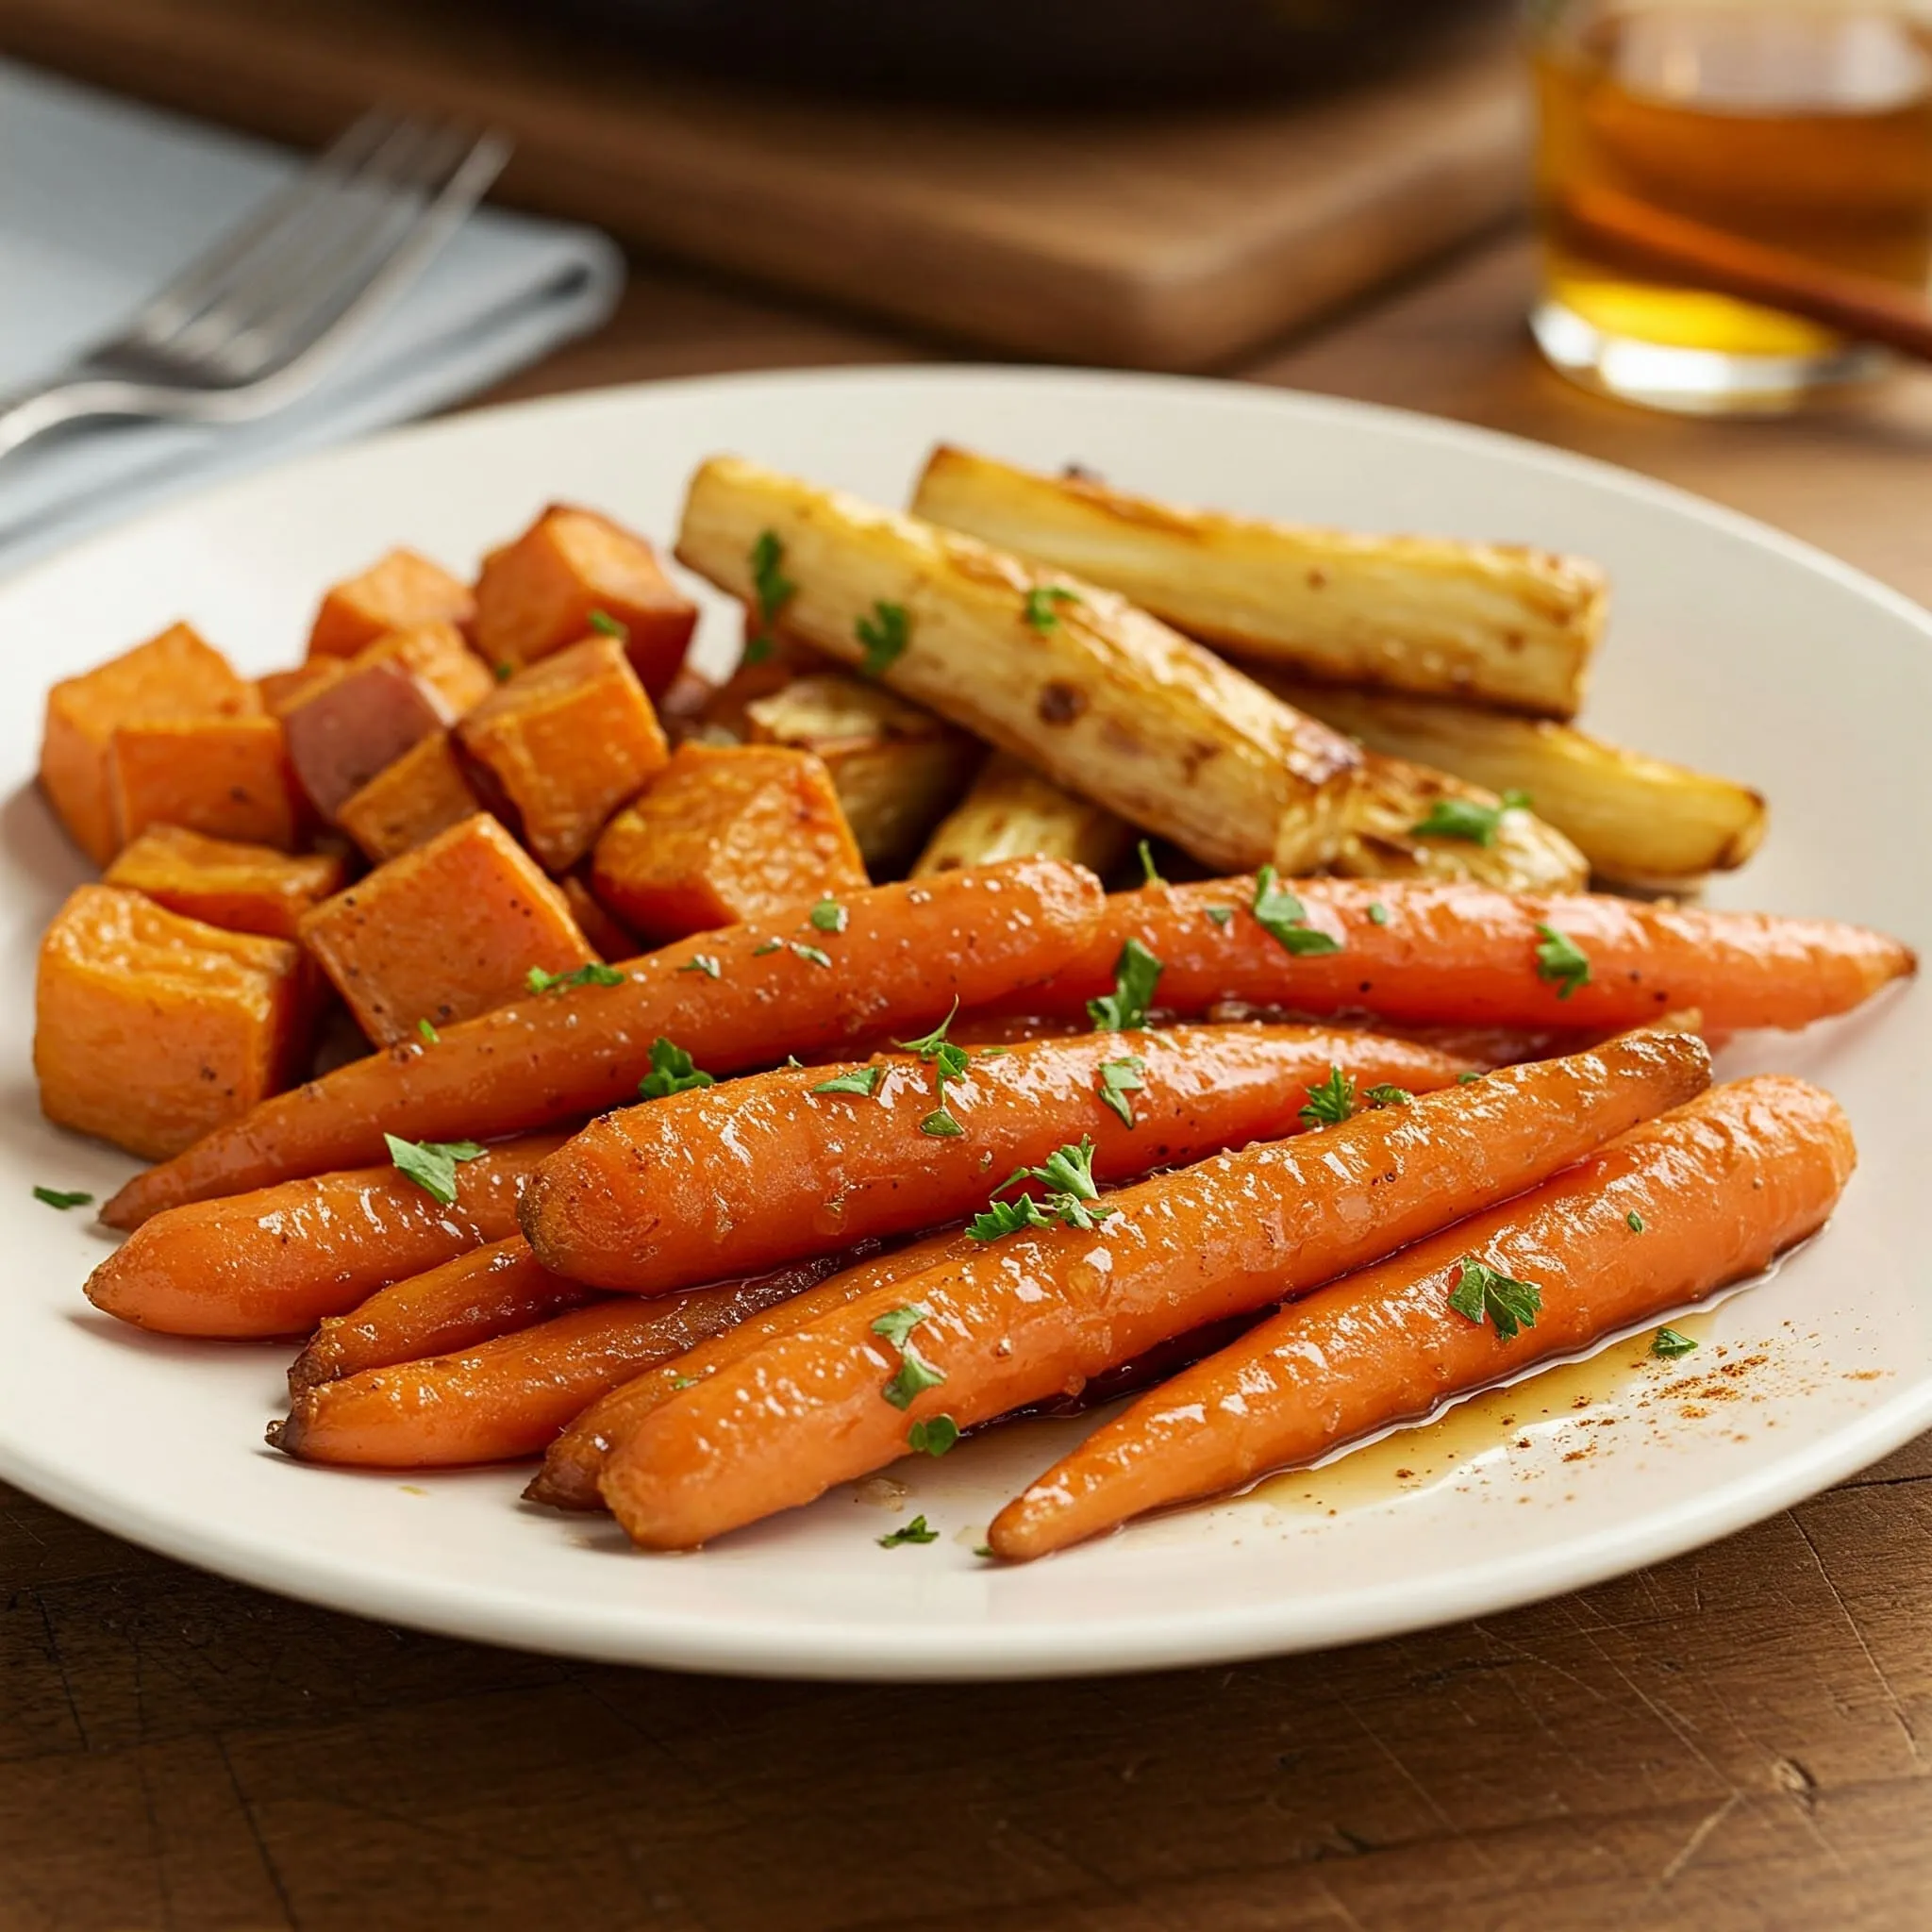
(487,1292)
(1666,1213)
(574,1461)
(1047,1311)
(279,1259)
(508,1397)
(725,1179)
(1458,953)
(743,996)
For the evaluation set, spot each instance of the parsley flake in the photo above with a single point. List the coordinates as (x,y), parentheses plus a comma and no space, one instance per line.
(595,973)
(1071,1196)
(1561,961)
(1220,914)
(1667,1344)
(1283,918)
(503,673)
(863,1081)
(428,1033)
(1003,1217)
(684,1382)
(1388,1096)
(915,1372)
(705,963)
(769,947)
(814,954)
(431,1164)
(1330,1103)
(913,1532)
(673,1070)
(56,1197)
(941,1126)
(1135,973)
(895,1325)
(948,1062)
(1480,1291)
(885,635)
(1467,819)
(1378,913)
(829,916)
(1635,1222)
(773,590)
(1118,1078)
(1040,613)
(605,624)
(933,1436)
(1468,1079)
(1150,872)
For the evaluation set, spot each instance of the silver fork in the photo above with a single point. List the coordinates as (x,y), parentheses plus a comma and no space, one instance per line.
(257,320)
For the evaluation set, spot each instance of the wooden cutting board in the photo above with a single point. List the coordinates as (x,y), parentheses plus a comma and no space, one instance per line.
(1171,240)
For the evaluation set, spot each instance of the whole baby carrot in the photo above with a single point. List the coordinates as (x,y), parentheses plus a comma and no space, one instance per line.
(802,1160)
(508,1396)
(1460,953)
(574,1461)
(743,996)
(1667,1212)
(489,1291)
(277,1261)
(1048,1309)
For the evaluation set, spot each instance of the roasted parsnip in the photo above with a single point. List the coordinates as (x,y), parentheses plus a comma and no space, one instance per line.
(1409,822)
(1638,820)
(896,768)
(1498,622)
(1011,810)
(1101,697)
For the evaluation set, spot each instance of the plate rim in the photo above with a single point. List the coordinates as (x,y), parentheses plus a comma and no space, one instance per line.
(832,1649)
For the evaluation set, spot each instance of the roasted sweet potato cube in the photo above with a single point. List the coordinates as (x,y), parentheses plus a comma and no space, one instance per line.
(421,793)
(726,833)
(282,691)
(608,938)
(342,735)
(443,933)
(439,657)
(150,1029)
(568,570)
(402,590)
(567,741)
(173,676)
(227,777)
(239,888)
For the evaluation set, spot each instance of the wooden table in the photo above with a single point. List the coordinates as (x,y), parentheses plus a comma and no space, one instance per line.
(1733,1739)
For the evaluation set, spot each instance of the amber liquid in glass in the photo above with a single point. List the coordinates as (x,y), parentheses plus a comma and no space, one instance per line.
(1808,130)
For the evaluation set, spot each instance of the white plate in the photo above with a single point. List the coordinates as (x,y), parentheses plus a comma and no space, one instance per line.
(1731,646)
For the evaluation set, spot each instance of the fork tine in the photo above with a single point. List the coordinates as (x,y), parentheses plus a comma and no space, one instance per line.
(191,290)
(438,199)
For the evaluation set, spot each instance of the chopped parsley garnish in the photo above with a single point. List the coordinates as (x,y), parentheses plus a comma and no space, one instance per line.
(1667,1344)
(428,1033)
(913,1532)
(948,1062)
(503,673)
(1330,1103)
(1635,1222)
(941,1126)
(1071,1196)
(1467,819)
(705,963)
(1220,914)
(431,1164)
(1468,1079)
(673,1070)
(772,588)
(915,1372)
(982,1549)
(769,947)
(1136,973)
(1561,961)
(606,625)
(829,916)
(885,634)
(1118,1078)
(1378,913)
(1040,613)
(1283,918)
(684,1382)
(595,973)
(1511,1305)
(56,1197)
(1388,1096)
(863,1081)
(816,955)
(934,1436)
(1150,873)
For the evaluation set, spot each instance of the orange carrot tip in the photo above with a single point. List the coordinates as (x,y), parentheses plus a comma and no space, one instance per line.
(1669,1211)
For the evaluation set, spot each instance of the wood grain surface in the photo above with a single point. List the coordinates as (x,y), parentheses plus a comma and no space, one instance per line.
(1733,1742)
(1166,239)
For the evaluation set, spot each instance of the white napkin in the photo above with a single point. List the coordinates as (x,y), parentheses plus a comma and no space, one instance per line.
(102,201)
